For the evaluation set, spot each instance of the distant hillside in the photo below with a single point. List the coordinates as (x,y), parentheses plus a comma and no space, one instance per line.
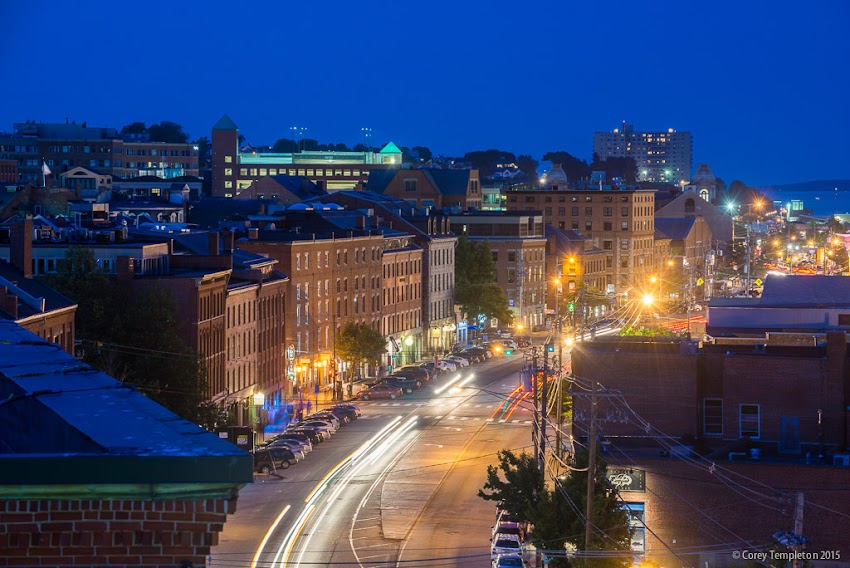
(818,185)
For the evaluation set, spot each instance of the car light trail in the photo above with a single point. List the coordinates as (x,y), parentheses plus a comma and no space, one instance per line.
(467,380)
(268,535)
(504,406)
(339,477)
(516,404)
(448,384)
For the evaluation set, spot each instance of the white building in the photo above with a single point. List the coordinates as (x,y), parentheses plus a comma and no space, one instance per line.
(661,156)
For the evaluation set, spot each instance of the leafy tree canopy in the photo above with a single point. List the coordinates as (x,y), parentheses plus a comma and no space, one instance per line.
(623,168)
(135,128)
(132,334)
(527,164)
(358,343)
(423,153)
(486,161)
(575,168)
(167,131)
(557,515)
(476,289)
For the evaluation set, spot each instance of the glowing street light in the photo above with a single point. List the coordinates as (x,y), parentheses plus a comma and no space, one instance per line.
(648,299)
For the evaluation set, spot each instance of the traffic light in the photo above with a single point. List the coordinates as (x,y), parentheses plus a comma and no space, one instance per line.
(509,352)
(571,306)
(550,347)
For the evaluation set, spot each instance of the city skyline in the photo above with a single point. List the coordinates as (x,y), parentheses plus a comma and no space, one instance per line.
(757,85)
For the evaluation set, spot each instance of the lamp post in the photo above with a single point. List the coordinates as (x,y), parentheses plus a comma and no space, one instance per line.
(259,402)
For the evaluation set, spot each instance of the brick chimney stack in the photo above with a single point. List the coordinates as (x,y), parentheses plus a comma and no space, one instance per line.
(212,243)
(20,247)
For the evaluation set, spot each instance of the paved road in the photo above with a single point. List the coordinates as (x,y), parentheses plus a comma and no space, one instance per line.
(400,483)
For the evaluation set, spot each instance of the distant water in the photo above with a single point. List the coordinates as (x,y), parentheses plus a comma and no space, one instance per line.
(821,202)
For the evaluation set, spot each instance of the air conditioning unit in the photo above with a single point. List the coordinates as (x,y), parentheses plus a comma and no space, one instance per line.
(841,460)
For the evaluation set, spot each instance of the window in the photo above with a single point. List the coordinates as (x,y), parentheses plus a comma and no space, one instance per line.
(607,245)
(606,226)
(562,211)
(228,171)
(511,256)
(574,211)
(588,211)
(607,211)
(712,417)
(410,185)
(750,421)
(548,212)
(228,159)
(495,255)
(588,225)
(624,212)
(624,226)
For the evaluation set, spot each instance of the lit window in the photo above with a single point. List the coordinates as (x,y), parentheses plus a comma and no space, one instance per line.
(228,159)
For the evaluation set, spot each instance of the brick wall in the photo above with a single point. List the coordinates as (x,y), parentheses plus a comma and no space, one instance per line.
(110,533)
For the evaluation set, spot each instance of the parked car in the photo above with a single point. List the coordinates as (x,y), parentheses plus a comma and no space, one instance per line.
(506,544)
(447,366)
(432,368)
(472,356)
(407,384)
(348,406)
(524,341)
(484,352)
(272,459)
(460,361)
(418,372)
(338,418)
(325,417)
(320,425)
(509,527)
(349,413)
(507,561)
(314,436)
(293,445)
(380,391)
(289,436)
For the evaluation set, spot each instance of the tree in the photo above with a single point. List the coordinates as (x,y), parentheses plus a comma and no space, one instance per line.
(423,153)
(135,128)
(624,168)
(357,343)
(574,168)
(528,165)
(558,515)
(133,334)
(167,131)
(476,289)
(285,146)
(486,161)
(204,145)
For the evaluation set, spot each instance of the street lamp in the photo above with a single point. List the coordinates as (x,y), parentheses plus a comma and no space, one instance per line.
(648,299)
(259,402)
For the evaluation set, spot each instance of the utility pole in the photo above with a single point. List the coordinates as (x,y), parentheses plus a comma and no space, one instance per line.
(798,527)
(559,391)
(591,469)
(541,459)
(535,430)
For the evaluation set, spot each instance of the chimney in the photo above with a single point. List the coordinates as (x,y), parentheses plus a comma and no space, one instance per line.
(361,222)
(227,241)
(212,243)
(8,302)
(124,268)
(20,246)
(253,233)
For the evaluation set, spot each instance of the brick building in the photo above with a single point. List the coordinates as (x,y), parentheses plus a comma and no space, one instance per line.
(234,171)
(8,171)
(621,223)
(430,188)
(65,146)
(334,262)
(84,486)
(575,273)
(685,417)
(518,245)
(433,233)
(29,303)
(401,298)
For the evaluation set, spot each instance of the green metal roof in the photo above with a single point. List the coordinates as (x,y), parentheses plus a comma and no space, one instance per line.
(225,123)
(390,148)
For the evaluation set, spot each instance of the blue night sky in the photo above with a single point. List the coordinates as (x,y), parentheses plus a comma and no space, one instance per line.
(763,86)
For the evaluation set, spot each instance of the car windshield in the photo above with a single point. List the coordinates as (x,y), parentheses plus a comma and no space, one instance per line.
(505,543)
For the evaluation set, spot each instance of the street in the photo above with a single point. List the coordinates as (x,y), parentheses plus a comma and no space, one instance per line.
(398,484)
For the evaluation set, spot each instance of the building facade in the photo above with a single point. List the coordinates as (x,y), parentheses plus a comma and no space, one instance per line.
(518,245)
(575,276)
(664,156)
(621,223)
(401,304)
(234,171)
(66,146)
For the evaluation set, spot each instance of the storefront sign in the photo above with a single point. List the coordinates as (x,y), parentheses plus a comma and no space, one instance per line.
(627,479)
